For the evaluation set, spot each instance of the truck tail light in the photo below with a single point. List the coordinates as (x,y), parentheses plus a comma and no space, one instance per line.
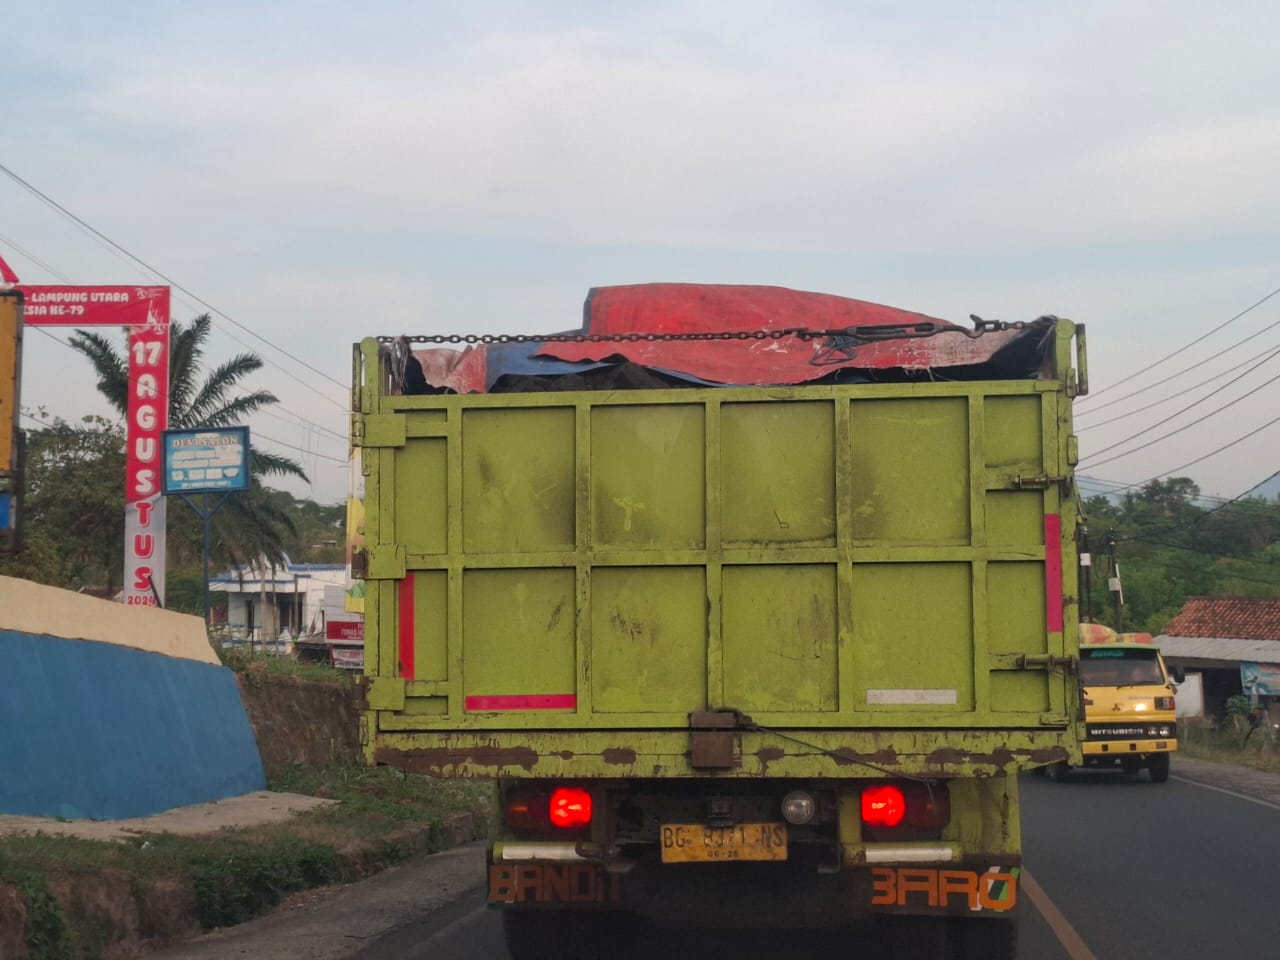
(538,809)
(925,806)
(1165,703)
(570,807)
(526,809)
(883,805)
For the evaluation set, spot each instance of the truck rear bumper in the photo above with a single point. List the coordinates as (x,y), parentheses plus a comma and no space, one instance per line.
(1118,749)
(759,895)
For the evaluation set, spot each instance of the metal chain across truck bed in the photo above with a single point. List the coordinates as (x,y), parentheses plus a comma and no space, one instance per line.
(879,332)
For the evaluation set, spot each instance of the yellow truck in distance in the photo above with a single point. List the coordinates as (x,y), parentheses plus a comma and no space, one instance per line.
(1128,695)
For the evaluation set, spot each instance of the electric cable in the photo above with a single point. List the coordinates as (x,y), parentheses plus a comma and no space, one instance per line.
(1182,349)
(45,198)
(1178,413)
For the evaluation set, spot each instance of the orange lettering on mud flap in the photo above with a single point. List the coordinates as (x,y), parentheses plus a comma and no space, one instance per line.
(553,883)
(943,889)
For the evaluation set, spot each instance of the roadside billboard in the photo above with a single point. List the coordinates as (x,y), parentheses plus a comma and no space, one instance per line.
(1260,679)
(145,312)
(206,460)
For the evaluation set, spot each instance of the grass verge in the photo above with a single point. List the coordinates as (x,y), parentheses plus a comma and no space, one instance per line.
(82,895)
(1261,750)
(257,665)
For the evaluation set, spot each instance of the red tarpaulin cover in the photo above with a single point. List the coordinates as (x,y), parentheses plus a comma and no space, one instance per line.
(896,338)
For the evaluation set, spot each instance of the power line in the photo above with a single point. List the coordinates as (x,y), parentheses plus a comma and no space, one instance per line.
(256,434)
(65,279)
(51,270)
(1211,453)
(33,258)
(1119,486)
(313,453)
(1185,347)
(1175,376)
(1174,416)
(1268,353)
(97,233)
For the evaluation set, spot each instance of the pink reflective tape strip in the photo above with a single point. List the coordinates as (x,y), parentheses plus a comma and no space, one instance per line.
(524,701)
(406,627)
(1053,572)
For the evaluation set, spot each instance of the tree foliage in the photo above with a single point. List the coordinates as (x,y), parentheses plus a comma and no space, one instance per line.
(1170,546)
(73,518)
(73,505)
(248,524)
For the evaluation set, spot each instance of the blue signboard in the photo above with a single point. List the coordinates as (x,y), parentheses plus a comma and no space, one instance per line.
(1260,679)
(207,460)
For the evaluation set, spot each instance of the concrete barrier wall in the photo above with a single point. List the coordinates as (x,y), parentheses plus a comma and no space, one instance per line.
(108,711)
(27,607)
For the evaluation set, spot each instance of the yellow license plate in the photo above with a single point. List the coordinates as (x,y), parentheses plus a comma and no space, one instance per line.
(697,843)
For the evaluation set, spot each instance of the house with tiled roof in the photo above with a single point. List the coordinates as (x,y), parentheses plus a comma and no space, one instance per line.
(1233,643)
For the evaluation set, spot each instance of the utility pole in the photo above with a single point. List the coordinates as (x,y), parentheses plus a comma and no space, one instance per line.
(1085,573)
(1117,592)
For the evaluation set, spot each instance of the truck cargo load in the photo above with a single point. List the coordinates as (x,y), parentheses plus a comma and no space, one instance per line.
(752,603)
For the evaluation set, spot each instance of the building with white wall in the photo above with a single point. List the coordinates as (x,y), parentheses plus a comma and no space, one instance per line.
(264,600)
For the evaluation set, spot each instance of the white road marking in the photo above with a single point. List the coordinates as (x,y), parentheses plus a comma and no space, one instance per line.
(1229,793)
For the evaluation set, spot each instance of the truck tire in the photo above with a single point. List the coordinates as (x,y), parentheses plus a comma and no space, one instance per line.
(1059,772)
(984,939)
(1158,768)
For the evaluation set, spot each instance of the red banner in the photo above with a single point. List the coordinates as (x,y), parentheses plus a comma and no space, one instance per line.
(145,311)
(345,631)
(148,417)
(52,306)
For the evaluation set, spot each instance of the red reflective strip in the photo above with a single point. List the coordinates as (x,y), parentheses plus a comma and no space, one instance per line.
(406,627)
(524,701)
(1053,572)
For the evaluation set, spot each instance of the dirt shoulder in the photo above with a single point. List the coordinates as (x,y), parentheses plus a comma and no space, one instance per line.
(338,922)
(1246,781)
(249,810)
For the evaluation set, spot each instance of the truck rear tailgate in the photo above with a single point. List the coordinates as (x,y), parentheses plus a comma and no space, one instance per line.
(556,582)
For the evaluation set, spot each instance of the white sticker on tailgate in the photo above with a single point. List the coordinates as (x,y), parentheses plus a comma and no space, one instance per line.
(912,696)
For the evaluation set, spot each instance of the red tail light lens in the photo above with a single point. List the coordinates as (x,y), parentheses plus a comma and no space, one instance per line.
(570,807)
(1166,703)
(883,806)
(915,805)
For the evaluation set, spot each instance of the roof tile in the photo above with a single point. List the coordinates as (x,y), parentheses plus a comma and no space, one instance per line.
(1245,618)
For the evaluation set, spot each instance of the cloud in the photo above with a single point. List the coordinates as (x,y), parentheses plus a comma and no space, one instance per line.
(323,172)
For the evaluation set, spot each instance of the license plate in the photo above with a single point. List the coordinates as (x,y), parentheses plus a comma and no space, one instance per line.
(698,843)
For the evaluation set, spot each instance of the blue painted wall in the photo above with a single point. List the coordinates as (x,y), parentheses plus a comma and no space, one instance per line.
(100,731)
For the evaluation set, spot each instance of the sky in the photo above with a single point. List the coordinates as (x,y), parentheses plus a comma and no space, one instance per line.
(313,173)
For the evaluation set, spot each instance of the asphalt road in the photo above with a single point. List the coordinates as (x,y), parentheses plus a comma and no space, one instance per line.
(1120,869)
(1174,871)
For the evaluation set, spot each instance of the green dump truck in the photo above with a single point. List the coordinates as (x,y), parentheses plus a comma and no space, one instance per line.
(751,603)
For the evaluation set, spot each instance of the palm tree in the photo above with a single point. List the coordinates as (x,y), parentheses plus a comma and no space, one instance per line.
(250,524)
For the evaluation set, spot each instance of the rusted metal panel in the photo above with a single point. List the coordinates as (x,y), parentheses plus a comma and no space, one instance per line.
(845,754)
